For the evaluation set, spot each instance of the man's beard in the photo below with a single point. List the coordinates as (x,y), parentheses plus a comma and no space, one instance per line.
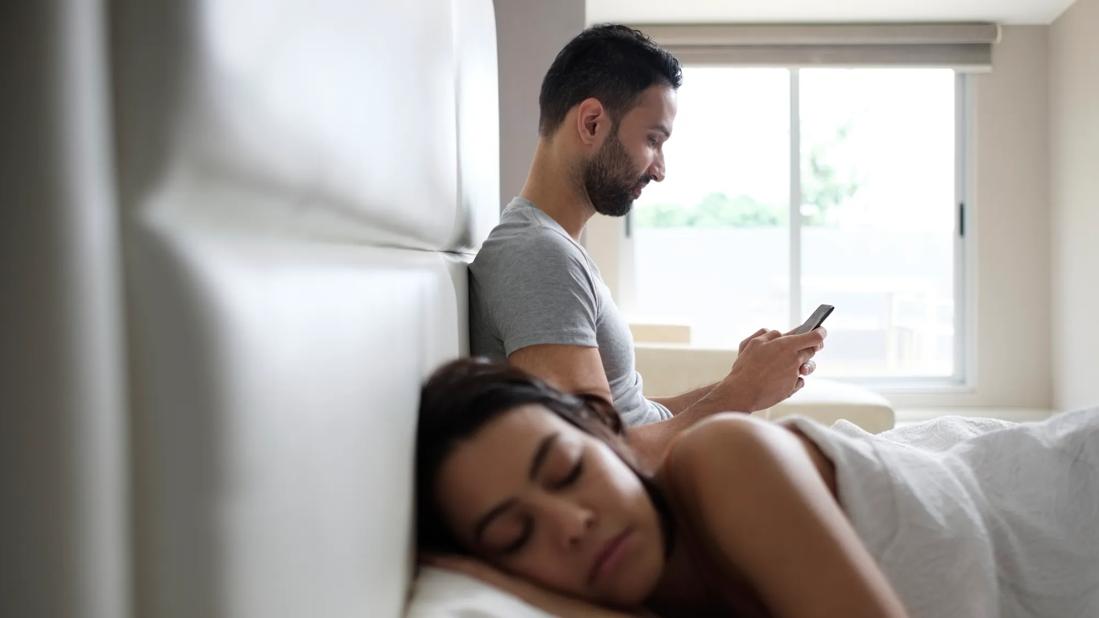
(609,180)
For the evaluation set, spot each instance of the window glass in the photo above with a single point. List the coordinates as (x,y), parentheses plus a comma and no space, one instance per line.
(711,242)
(877,214)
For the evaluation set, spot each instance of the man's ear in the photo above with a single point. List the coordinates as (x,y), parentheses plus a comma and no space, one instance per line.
(592,121)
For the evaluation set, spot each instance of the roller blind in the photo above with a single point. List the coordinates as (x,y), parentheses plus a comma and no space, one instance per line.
(963,47)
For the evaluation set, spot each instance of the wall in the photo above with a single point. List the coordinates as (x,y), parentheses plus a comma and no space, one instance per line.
(1008,232)
(1074,184)
(529,33)
(1009,223)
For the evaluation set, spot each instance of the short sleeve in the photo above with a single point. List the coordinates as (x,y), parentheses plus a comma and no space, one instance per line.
(538,291)
(649,412)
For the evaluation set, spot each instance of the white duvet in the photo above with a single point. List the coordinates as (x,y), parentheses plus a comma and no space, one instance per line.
(974,517)
(967,517)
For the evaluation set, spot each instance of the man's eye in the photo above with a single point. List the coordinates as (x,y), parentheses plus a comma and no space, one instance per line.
(571,477)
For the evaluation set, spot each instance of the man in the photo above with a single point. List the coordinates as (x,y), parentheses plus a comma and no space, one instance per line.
(607,106)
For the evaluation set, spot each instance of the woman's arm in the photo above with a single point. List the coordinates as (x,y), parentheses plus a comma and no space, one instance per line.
(751,489)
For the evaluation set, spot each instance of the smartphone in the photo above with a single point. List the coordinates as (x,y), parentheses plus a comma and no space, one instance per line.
(814,320)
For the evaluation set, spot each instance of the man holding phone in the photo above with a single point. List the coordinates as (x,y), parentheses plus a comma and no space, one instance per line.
(607,105)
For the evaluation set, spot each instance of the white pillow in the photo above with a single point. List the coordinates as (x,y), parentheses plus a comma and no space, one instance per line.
(439,593)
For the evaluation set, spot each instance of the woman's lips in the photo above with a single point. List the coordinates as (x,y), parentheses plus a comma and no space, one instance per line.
(610,556)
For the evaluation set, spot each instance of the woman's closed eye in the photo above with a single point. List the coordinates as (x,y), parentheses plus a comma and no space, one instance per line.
(572,476)
(517,544)
(527,522)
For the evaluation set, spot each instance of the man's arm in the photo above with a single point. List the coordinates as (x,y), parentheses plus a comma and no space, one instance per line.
(678,403)
(767,370)
(570,368)
(579,369)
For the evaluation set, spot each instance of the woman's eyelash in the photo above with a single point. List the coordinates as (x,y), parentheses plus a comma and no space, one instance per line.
(515,545)
(571,477)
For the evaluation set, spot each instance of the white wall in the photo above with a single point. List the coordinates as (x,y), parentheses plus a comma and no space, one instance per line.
(529,33)
(1074,180)
(1009,223)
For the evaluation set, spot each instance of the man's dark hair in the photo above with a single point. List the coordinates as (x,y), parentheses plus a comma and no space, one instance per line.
(612,63)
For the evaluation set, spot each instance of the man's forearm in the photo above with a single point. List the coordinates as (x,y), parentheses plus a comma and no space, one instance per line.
(679,403)
(708,400)
(651,441)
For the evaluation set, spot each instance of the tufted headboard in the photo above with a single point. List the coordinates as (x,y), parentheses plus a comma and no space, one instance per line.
(287,194)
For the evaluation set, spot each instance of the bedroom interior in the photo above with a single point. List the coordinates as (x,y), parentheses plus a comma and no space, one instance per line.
(237,240)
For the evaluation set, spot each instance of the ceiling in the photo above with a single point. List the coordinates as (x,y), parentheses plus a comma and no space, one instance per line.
(809,11)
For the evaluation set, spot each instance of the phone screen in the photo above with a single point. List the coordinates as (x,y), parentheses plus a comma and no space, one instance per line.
(815,320)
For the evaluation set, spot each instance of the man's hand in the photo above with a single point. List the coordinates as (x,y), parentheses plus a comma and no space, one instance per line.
(768,369)
(806,368)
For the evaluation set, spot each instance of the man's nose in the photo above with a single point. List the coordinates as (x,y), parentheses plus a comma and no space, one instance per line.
(656,170)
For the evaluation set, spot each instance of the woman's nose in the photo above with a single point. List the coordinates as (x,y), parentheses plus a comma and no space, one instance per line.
(572,523)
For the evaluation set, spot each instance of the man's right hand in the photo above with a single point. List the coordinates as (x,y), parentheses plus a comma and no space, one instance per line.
(767,370)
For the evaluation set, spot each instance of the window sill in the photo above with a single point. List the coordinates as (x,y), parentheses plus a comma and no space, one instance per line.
(673,368)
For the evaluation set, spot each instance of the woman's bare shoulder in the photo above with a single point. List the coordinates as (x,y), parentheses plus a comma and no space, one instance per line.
(724,445)
(722,434)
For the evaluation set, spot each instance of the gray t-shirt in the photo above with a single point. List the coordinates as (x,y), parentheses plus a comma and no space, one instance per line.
(532,284)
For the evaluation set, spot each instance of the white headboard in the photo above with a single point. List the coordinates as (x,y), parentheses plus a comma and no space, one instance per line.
(299,186)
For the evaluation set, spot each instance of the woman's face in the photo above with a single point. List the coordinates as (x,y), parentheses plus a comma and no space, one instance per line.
(538,497)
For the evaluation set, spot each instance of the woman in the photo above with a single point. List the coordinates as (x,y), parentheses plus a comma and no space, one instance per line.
(745,516)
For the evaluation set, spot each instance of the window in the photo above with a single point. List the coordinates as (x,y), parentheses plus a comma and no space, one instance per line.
(868,156)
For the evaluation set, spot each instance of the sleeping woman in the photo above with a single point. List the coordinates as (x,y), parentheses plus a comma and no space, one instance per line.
(535,491)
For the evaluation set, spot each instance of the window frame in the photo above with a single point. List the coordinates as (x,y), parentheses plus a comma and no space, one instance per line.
(621,275)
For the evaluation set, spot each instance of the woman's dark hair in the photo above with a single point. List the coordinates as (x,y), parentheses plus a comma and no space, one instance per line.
(463,395)
(609,62)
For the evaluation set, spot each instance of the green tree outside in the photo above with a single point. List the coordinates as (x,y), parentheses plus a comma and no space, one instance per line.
(823,188)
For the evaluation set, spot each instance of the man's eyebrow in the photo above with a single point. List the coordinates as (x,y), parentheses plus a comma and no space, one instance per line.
(663,129)
(540,454)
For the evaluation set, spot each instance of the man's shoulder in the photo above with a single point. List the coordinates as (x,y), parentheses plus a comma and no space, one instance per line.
(528,243)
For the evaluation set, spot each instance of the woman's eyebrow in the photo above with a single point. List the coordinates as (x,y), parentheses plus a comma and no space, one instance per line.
(536,462)
(540,454)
